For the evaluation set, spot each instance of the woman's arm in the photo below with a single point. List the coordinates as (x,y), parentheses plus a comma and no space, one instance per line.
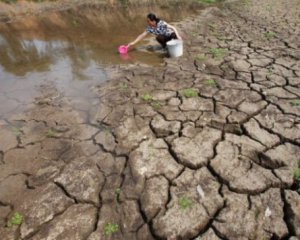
(175,30)
(139,38)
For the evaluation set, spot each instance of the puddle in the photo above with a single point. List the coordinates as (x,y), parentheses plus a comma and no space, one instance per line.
(72,50)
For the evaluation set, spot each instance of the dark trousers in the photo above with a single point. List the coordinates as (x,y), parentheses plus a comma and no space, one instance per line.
(164,39)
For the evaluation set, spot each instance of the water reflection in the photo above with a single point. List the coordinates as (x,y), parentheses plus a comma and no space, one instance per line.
(71,49)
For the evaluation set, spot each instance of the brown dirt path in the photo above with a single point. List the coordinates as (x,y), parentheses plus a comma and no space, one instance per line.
(202,148)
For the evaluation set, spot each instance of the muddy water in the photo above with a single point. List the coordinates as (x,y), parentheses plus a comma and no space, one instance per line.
(72,50)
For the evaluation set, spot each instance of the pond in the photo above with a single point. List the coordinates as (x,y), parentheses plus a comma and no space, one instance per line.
(72,50)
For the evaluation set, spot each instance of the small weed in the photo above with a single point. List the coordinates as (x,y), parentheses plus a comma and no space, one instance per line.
(269,8)
(270,72)
(124,2)
(212,26)
(295,103)
(17,131)
(256,213)
(218,52)
(111,228)
(245,2)
(189,92)
(105,128)
(75,22)
(16,220)
(185,202)
(269,34)
(118,192)
(123,86)
(156,104)
(201,58)
(207,1)
(52,133)
(147,97)
(211,82)
(297,174)
(298,23)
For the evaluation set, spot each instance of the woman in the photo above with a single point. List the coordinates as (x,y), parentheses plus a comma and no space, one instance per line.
(164,32)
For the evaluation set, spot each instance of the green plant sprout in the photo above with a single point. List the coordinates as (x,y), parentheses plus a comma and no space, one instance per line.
(118,192)
(156,104)
(201,58)
(15,220)
(218,52)
(52,133)
(147,97)
(297,174)
(269,34)
(211,82)
(111,228)
(189,92)
(123,86)
(295,103)
(208,1)
(184,202)
(17,131)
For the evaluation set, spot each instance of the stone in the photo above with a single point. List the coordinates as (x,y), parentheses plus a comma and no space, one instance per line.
(33,132)
(151,158)
(154,196)
(187,213)
(41,206)
(261,135)
(164,128)
(240,66)
(82,180)
(196,104)
(12,189)
(10,140)
(162,95)
(239,221)
(237,168)
(196,152)
(293,201)
(107,140)
(233,97)
(129,135)
(208,235)
(75,223)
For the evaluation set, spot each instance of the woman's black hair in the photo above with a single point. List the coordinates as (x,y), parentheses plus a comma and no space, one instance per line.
(152,17)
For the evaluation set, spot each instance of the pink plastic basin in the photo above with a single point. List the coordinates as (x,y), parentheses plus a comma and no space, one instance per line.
(123,49)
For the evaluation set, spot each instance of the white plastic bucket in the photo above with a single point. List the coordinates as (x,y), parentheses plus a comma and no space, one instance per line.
(175,48)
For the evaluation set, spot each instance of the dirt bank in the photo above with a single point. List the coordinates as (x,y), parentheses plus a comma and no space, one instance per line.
(204,147)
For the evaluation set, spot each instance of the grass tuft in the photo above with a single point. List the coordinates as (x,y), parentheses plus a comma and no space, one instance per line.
(110,229)
(189,92)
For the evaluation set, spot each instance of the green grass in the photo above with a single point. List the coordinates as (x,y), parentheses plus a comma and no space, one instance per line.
(189,92)
(297,174)
(201,58)
(218,52)
(245,2)
(208,1)
(15,220)
(269,8)
(147,97)
(269,34)
(17,132)
(211,82)
(185,202)
(123,86)
(52,133)
(295,103)
(118,192)
(156,104)
(110,229)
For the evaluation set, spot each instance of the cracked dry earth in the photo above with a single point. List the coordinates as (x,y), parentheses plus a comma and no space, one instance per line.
(215,165)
